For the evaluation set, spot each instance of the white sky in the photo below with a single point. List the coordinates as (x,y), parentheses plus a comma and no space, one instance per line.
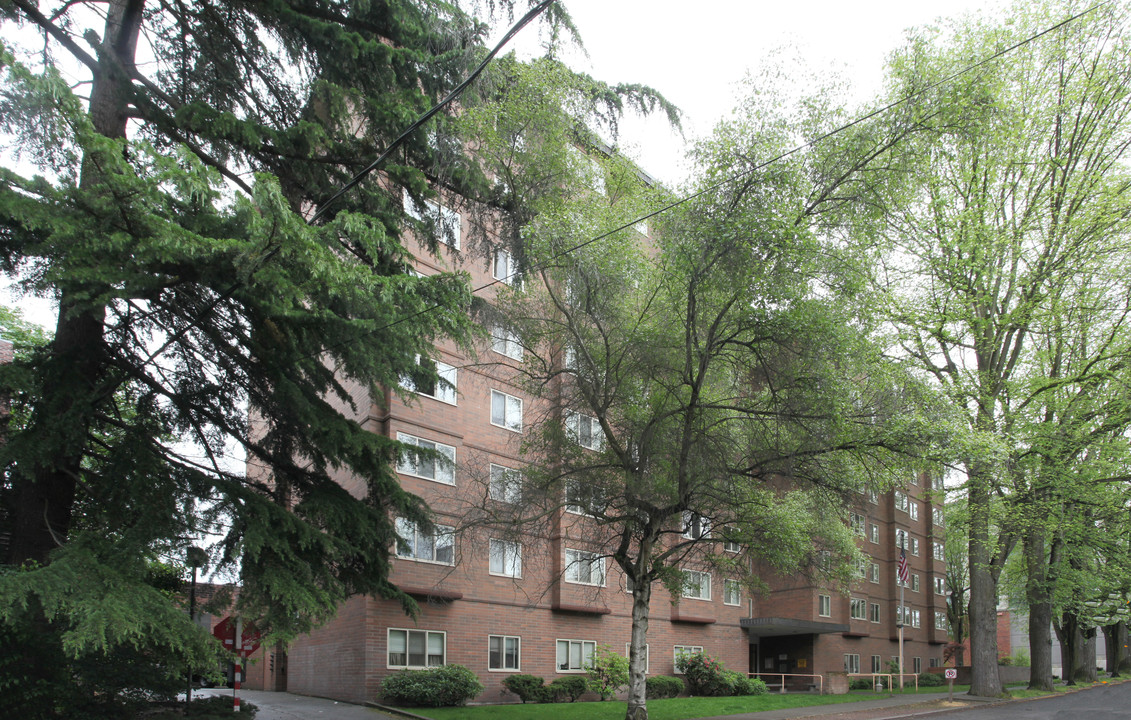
(696,53)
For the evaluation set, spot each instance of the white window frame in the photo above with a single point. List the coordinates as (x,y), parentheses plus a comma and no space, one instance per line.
(940,585)
(939,551)
(444,217)
(572,502)
(914,582)
(408,633)
(505,269)
(857,522)
(695,526)
(698,580)
(858,608)
(504,558)
(937,517)
(417,541)
(732,592)
(824,606)
(852,663)
(873,497)
(901,537)
(506,411)
(901,500)
(501,665)
(862,567)
(685,649)
(505,484)
(583,658)
(442,472)
(576,560)
(874,612)
(874,572)
(596,436)
(877,664)
(913,509)
(917,664)
(914,545)
(506,342)
(445,387)
(874,533)
(647,655)
(940,620)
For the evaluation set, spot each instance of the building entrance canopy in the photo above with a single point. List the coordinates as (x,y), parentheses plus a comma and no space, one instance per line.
(776,627)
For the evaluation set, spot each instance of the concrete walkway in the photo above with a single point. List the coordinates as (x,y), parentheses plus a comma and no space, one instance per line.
(285,706)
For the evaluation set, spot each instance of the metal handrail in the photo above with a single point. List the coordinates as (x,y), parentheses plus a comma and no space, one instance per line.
(783,676)
(889,676)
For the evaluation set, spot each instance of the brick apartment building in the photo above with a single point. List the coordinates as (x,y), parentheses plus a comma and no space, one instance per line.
(499,609)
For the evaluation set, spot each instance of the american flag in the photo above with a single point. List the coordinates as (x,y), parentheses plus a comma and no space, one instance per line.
(902,566)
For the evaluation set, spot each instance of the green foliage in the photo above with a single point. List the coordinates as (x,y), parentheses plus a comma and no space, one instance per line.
(744,685)
(664,686)
(568,688)
(931,679)
(607,672)
(218,706)
(435,687)
(860,684)
(527,687)
(705,674)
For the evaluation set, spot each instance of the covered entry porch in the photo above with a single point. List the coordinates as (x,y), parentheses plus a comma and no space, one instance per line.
(782,651)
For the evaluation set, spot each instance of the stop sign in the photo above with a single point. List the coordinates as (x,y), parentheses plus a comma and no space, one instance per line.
(225,632)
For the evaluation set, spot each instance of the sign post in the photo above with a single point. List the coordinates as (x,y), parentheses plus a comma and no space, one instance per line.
(951,674)
(242,640)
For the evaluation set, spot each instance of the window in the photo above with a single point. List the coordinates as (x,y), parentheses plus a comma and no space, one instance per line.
(940,586)
(874,612)
(628,654)
(876,664)
(582,499)
(641,227)
(873,497)
(940,621)
(913,509)
(851,663)
(586,430)
(696,585)
(447,221)
(932,662)
(506,558)
(918,664)
(915,618)
(505,269)
(902,614)
(858,609)
(874,572)
(503,652)
(901,500)
(913,480)
(575,655)
(874,533)
(939,551)
(417,545)
(914,582)
(862,567)
(824,606)
(937,483)
(695,526)
(937,516)
(731,546)
(584,568)
(914,545)
(505,485)
(430,467)
(506,411)
(732,592)
(857,523)
(900,539)
(506,342)
(443,388)
(684,650)
(416,648)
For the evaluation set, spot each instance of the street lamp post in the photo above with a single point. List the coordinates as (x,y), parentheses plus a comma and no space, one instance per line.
(194,558)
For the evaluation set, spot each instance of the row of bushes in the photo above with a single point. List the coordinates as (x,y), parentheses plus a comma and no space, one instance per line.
(925,680)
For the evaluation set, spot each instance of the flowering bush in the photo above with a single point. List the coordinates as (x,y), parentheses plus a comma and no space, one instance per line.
(705,674)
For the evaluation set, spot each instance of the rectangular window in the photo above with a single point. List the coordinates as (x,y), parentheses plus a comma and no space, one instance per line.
(937,483)
(940,586)
(584,568)
(696,585)
(913,509)
(914,582)
(628,654)
(506,342)
(695,526)
(874,612)
(914,545)
(684,650)
(933,662)
(441,468)
(856,521)
(583,499)
(874,533)
(901,500)
(732,592)
(505,485)
(918,665)
(585,430)
(503,652)
(438,547)
(858,608)
(574,655)
(506,411)
(442,389)
(876,664)
(939,551)
(731,546)
(874,572)
(824,606)
(446,220)
(873,497)
(915,618)
(416,648)
(506,558)
(937,516)
(940,620)
(505,269)
(851,663)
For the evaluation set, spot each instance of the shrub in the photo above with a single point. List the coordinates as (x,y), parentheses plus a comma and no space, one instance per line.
(745,685)
(571,687)
(705,675)
(931,679)
(527,687)
(434,687)
(663,686)
(608,672)
(860,684)
(218,706)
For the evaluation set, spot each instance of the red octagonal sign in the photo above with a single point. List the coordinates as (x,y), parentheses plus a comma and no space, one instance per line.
(225,632)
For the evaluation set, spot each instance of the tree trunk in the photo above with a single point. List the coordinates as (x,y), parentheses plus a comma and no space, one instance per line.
(1112,648)
(1088,656)
(637,656)
(1040,612)
(77,368)
(1122,649)
(983,588)
(1068,634)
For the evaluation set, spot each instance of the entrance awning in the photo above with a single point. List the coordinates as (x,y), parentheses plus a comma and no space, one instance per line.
(775,627)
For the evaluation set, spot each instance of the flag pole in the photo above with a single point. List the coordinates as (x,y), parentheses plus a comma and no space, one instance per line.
(902,608)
